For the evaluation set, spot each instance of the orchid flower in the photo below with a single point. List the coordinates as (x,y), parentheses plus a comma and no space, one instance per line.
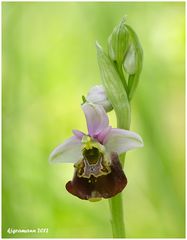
(98,171)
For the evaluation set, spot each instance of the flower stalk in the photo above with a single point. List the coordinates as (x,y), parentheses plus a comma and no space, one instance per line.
(124,59)
(117,222)
(116,94)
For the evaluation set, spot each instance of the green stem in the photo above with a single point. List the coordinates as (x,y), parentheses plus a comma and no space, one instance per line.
(116,208)
(116,203)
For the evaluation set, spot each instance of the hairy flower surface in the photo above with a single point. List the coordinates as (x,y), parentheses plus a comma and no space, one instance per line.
(98,172)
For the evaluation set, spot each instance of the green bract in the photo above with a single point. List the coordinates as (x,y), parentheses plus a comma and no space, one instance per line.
(114,88)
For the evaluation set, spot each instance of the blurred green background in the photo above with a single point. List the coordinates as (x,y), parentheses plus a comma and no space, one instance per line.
(49,62)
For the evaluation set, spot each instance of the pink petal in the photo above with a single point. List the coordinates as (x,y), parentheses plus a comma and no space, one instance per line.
(120,141)
(103,134)
(68,152)
(96,118)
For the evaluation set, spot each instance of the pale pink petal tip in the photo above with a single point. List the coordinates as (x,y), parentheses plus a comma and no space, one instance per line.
(96,118)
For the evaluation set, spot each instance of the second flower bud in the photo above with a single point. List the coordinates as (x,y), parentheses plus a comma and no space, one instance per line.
(97,95)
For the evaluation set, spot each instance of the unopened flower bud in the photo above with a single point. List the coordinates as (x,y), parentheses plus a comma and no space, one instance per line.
(130,62)
(126,53)
(118,42)
(97,95)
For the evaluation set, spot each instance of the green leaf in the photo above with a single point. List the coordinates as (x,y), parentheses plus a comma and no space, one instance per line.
(114,88)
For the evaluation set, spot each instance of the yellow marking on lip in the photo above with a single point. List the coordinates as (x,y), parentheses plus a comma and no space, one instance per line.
(89,143)
(94,199)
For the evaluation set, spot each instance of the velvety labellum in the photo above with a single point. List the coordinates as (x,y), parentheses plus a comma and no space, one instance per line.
(103,186)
